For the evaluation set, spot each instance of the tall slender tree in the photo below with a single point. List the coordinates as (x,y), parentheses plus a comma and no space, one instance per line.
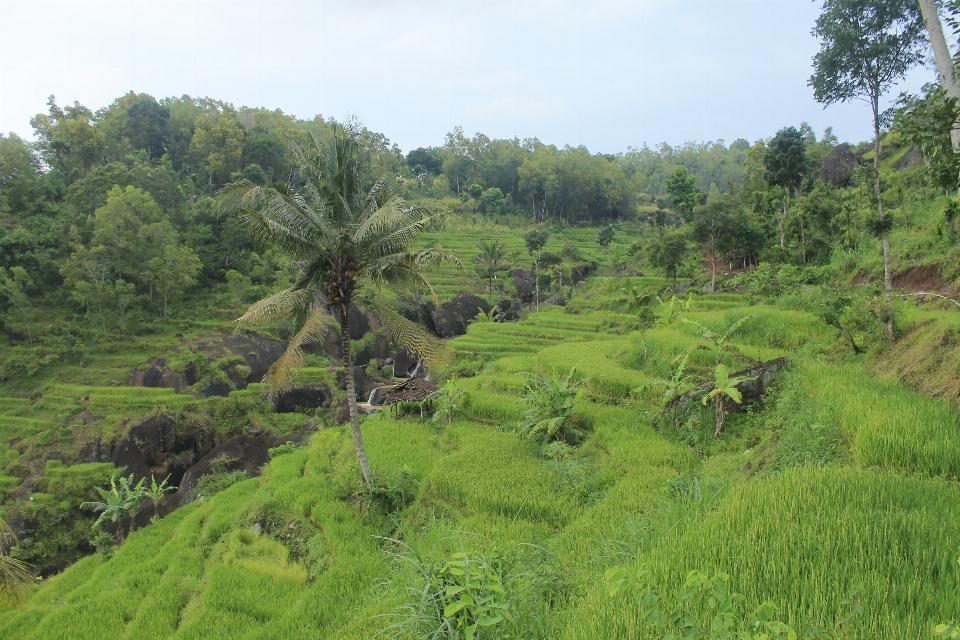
(866,47)
(343,238)
(943,59)
(493,259)
(786,164)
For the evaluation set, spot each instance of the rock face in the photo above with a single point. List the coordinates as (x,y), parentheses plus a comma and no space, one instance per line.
(838,166)
(404,364)
(764,375)
(258,354)
(303,398)
(525,284)
(452,317)
(153,447)
(249,452)
(579,272)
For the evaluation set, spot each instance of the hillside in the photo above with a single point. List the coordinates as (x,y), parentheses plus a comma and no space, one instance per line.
(841,483)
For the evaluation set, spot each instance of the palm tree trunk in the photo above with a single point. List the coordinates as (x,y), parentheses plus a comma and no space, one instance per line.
(783,218)
(718,409)
(352,394)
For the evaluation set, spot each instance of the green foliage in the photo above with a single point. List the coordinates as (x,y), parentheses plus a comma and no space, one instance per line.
(606,235)
(678,384)
(552,415)
(724,387)
(706,607)
(16,579)
(719,341)
(219,478)
(445,402)
(464,597)
(281,450)
(121,500)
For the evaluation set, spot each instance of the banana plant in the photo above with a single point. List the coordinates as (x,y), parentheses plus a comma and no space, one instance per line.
(723,387)
(122,499)
(675,307)
(447,402)
(15,576)
(678,384)
(717,340)
(155,492)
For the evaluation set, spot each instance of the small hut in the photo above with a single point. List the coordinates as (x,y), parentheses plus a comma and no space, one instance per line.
(412,390)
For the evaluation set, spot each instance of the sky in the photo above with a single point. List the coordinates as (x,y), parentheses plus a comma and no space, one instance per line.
(607,74)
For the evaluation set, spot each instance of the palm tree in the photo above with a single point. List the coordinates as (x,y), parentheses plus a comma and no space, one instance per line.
(342,238)
(723,387)
(15,576)
(493,259)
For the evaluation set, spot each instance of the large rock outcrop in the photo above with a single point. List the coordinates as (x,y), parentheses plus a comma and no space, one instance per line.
(838,166)
(246,453)
(453,316)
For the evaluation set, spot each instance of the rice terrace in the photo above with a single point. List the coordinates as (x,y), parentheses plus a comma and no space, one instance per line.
(264,376)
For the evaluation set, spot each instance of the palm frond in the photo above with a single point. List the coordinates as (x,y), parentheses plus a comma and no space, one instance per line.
(285,302)
(279,376)
(15,576)
(407,226)
(421,344)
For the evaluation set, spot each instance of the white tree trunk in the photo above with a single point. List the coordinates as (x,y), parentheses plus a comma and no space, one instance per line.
(884,238)
(941,53)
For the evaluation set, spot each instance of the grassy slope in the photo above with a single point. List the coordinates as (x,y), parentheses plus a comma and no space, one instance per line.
(801,538)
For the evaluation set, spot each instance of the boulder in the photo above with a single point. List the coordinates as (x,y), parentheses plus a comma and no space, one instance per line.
(405,365)
(452,317)
(580,272)
(302,398)
(838,166)
(419,312)
(555,300)
(525,283)
(250,453)
(154,447)
(362,384)
(752,391)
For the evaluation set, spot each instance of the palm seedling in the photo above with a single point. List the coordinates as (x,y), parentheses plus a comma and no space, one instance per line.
(723,387)
(345,239)
(15,576)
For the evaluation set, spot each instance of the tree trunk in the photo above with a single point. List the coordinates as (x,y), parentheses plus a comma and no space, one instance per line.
(783,218)
(718,409)
(713,264)
(884,238)
(165,306)
(803,237)
(941,53)
(352,394)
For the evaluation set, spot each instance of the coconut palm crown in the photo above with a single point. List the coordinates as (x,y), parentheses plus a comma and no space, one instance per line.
(342,237)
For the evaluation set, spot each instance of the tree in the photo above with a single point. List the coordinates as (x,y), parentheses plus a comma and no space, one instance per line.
(344,238)
(945,62)
(536,241)
(15,576)
(14,287)
(493,260)
(145,123)
(786,164)
(723,387)
(867,46)
(174,271)
(668,253)
(710,227)
(718,340)
(682,188)
(606,235)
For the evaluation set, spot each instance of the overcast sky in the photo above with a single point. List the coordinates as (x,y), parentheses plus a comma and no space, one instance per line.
(605,74)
